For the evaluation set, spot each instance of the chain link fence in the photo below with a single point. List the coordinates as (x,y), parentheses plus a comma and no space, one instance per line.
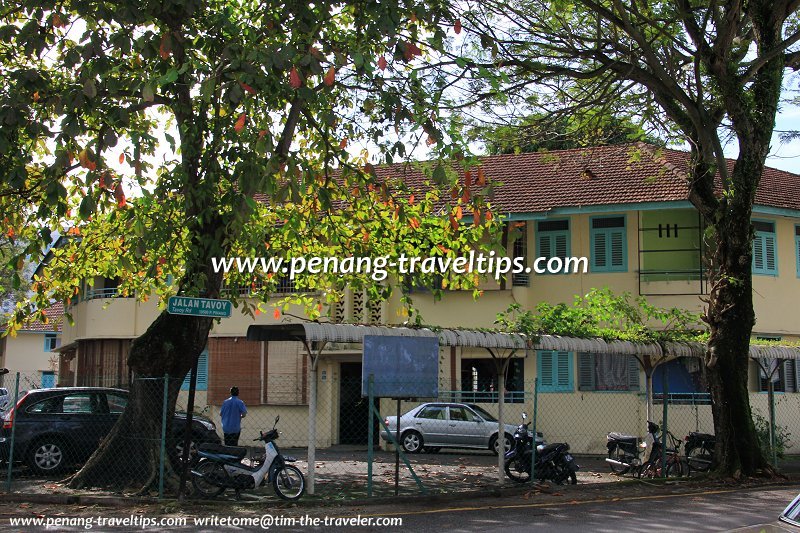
(448,442)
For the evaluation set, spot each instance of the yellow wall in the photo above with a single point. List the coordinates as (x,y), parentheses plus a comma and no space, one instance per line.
(25,354)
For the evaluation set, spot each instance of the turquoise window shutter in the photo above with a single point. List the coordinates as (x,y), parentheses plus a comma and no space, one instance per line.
(555,370)
(765,251)
(202,373)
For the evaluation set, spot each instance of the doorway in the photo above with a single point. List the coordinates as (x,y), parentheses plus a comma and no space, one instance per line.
(353,410)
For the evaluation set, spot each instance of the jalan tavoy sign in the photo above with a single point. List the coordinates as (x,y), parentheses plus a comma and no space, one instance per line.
(182,305)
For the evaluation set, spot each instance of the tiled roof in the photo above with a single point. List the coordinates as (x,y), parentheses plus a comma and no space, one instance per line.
(620,174)
(55,315)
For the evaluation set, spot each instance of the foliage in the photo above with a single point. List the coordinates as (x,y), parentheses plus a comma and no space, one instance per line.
(10,292)
(157,137)
(602,314)
(782,436)
(557,132)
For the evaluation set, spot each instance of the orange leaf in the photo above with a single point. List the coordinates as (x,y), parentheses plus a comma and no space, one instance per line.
(413,17)
(121,158)
(102,181)
(261,134)
(10,233)
(453,222)
(459,213)
(247,87)
(239,126)
(457,26)
(119,195)
(488,216)
(330,76)
(57,22)
(382,63)
(414,223)
(166,46)
(277,314)
(481,179)
(257,312)
(476,213)
(294,79)
(411,200)
(343,143)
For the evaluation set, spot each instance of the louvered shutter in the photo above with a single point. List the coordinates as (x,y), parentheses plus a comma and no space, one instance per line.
(586,371)
(564,380)
(633,373)
(561,245)
(545,248)
(758,253)
(599,257)
(797,249)
(202,373)
(770,262)
(789,375)
(546,369)
(617,249)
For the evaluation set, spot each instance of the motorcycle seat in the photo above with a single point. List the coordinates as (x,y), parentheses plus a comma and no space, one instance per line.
(701,436)
(550,447)
(622,437)
(236,451)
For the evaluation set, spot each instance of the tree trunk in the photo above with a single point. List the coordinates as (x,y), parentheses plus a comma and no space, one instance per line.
(129,456)
(731,319)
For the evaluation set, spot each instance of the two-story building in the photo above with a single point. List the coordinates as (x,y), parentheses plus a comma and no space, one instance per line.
(32,352)
(625,208)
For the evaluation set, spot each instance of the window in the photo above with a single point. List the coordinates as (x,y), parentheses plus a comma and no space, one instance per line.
(520,249)
(459,414)
(479,380)
(765,251)
(433,412)
(797,248)
(782,373)
(606,372)
(609,247)
(80,403)
(51,342)
(116,403)
(554,370)
(552,239)
(202,373)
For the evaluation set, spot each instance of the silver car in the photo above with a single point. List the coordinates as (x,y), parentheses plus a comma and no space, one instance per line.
(432,426)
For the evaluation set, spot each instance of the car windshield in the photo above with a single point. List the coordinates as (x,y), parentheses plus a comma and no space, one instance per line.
(486,416)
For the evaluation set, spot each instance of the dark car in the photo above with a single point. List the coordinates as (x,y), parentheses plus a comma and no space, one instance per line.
(62,426)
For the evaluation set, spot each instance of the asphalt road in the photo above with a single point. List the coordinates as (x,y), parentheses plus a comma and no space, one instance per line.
(693,510)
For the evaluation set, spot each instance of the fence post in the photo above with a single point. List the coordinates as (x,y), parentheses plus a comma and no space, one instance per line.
(664,430)
(533,428)
(771,406)
(13,428)
(370,436)
(163,438)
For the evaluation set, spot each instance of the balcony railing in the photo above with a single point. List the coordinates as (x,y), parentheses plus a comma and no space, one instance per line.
(684,398)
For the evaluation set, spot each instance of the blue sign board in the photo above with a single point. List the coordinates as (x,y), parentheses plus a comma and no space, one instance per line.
(182,305)
(402,367)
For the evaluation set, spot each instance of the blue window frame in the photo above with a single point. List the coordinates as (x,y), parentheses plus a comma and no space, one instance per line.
(554,369)
(797,248)
(51,342)
(765,248)
(202,373)
(609,244)
(552,239)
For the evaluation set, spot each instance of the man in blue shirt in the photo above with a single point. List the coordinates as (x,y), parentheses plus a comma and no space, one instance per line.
(232,412)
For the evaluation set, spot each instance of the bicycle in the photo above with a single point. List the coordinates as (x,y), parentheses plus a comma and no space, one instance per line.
(676,465)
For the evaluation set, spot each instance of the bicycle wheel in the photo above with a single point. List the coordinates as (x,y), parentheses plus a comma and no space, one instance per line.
(677,468)
(649,470)
(699,458)
(289,483)
(618,454)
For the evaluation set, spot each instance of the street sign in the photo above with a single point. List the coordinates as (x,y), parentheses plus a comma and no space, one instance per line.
(182,305)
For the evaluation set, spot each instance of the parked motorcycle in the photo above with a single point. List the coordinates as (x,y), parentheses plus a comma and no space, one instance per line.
(700,451)
(222,467)
(625,451)
(553,461)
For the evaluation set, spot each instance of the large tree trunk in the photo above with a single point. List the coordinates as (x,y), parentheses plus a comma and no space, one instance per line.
(731,319)
(129,456)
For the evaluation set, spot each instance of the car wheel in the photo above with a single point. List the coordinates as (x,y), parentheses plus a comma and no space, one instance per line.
(48,456)
(412,442)
(192,449)
(494,445)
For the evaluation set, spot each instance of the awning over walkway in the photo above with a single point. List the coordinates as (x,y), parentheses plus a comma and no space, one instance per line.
(354,333)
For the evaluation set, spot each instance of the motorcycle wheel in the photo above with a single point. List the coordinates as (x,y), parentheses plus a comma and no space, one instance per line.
(518,469)
(208,469)
(699,459)
(564,474)
(618,454)
(289,483)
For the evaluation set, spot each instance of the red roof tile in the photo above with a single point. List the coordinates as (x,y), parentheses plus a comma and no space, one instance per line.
(55,315)
(621,174)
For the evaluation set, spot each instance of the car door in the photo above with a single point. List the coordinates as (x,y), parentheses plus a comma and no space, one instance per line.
(464,425)
(431,422)
(75,420)
(112,405)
